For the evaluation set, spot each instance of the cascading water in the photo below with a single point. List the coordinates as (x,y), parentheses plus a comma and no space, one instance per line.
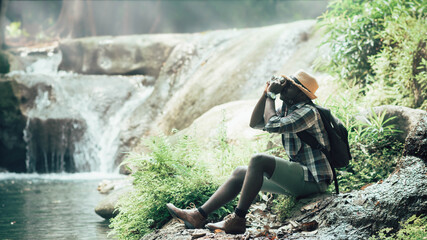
(74,121)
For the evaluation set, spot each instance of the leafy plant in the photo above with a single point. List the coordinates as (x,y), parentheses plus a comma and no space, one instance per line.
(402,61)
(14,30)
(283,206)
(413,229)
(373,145)
(169,173)
(380,42)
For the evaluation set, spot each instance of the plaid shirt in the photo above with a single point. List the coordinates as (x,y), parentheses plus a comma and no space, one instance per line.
(300,117)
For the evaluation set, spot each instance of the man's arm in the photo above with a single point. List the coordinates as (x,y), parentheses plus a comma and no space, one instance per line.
(257,113)
(270,106)
(269,110)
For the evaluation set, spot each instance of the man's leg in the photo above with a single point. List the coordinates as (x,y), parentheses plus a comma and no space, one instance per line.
(227,191)
(247,180)
(259,164)
(196,218)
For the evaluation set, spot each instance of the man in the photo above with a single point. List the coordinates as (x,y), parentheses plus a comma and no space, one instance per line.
(307,172)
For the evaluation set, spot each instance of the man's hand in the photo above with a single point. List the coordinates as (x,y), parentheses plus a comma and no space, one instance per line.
(266,87)
(275,87)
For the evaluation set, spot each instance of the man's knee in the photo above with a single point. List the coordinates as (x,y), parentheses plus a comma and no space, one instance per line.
(259,160)
(240,172)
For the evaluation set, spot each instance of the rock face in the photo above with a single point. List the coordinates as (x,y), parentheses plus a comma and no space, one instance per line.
(4,62)
(126,55)
(12,124)
(214,68)
(51,144)
(416,143)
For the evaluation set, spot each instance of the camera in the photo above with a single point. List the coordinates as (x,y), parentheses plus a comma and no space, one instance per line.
(280,79)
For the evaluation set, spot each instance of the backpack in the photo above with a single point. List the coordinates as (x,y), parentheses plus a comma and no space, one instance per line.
(339,155)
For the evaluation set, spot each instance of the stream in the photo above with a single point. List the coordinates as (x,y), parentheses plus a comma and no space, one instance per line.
(51,206)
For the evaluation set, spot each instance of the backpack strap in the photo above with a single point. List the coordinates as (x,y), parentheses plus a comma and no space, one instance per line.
(313,143)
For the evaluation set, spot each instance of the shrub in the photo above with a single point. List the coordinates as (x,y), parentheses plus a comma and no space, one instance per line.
(379,41)
(402,61)
(283,205)
(167,174)
(373,145)
(413,229)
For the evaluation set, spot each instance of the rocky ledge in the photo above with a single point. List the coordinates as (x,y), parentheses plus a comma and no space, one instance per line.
(355,215)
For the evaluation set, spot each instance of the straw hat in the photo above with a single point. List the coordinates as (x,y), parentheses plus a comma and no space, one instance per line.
(305,82)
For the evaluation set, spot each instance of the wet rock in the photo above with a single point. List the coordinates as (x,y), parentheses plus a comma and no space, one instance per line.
(12,124)
(143,54)
(106,186)
(51,144)
(416,142)
(106,207)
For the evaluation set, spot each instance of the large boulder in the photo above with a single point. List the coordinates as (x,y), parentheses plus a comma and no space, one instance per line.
(140,54)
(404,118)
(233,117)
(237,69)
(106,208)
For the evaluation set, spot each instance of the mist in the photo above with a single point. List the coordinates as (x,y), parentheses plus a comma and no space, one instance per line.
(81,18)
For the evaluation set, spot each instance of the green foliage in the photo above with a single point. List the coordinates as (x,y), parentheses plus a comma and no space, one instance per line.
(167,174)
(381,42)
(283,206)
(402,61)
(415,228)
(14,30)
(373,145)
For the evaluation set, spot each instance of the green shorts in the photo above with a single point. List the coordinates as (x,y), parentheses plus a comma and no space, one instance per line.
(288,178)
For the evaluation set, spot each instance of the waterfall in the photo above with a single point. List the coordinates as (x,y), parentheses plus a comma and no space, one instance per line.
(74,121)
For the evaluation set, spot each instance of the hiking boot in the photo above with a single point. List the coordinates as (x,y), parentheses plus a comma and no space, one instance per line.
(232,224)
(192,218)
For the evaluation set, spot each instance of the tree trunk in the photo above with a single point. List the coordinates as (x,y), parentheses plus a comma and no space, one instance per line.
(75,20)
(3,6)
(158,17)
